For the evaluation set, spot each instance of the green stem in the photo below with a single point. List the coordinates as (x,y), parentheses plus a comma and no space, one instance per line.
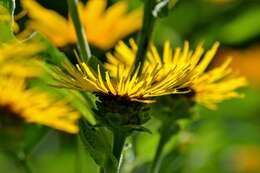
(34,140)
(118,146)
(20,160)
(145,33)
(30,146)
(102,170)
(26,166)
(158,156)
(168,129)
(81,36)
(78,155)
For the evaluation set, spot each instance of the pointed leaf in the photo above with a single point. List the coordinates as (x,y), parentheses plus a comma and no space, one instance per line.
(99,145)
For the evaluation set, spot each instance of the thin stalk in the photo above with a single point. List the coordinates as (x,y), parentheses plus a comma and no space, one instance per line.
(26,166)
(20,160)
(118,146)
(168,129)
(145,33)
(83,45)
(158,156)
(101,170)
(79,158)
(29,147)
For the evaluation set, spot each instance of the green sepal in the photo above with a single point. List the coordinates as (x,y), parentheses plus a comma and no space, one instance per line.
(173,108)
(99,145)
(139,128)
(117,112)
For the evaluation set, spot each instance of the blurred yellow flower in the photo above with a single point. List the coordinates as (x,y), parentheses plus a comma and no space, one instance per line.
(245,60)
(246,159)
(209,87)
(104,27)
(20,59)
(34,106)
(217,85)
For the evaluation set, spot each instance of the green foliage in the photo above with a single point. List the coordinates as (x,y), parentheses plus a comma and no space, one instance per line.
(98,143)
(8,4)
(84,102)
(6,19)
(33,134)
(50,54)
(243,27)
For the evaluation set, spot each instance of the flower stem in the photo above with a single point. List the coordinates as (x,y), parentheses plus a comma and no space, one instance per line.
(145,33)
(34,141)
(118,146)
(101,170)
(79,158)
(20,160)
(168,130)
(81,36)
(158,156)
(26,166)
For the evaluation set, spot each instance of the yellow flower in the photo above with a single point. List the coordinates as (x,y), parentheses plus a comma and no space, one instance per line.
(104,27)
(245,60)
(246,158)
(209,87)
(19,59)
(134,86)
(34,106)
(217,85)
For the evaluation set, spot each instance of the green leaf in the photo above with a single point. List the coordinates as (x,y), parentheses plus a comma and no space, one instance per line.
(99,145)
(8,4)
(6,20)
(51,54)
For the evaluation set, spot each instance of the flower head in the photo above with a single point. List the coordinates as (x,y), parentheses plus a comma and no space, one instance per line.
(216,85)
(122,96)
(135,86)
(34,106)
(209,87)
(104,27)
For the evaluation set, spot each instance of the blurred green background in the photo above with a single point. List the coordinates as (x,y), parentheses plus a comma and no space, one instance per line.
(223,141)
